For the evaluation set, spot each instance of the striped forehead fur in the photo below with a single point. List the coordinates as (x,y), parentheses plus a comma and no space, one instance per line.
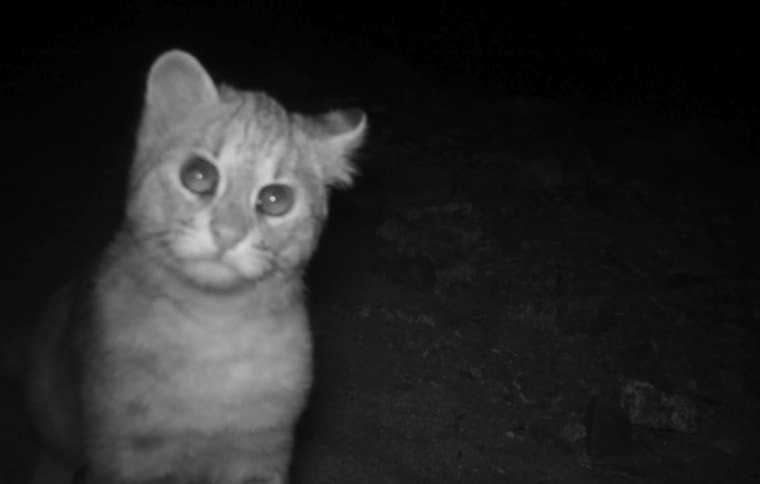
(251,125)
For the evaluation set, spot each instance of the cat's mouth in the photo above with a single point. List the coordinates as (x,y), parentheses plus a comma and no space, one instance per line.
(213,272)
(205,264)
(224,270)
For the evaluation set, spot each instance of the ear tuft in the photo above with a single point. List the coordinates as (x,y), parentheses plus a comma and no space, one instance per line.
(343,133)
(345,127)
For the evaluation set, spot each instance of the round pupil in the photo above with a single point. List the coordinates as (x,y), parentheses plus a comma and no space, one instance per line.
(199,176)
(275,199)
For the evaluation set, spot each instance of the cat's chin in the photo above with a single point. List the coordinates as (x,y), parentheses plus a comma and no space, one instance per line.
(214,275)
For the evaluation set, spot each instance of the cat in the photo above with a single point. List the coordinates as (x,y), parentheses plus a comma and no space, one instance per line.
(184,354)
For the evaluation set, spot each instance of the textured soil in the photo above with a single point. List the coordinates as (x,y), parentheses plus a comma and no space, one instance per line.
(502,263)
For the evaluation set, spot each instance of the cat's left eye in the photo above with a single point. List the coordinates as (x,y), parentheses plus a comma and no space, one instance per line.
(275,200)
(200,176)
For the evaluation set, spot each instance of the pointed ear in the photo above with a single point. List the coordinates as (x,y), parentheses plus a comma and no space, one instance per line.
(342,132)
(178,85)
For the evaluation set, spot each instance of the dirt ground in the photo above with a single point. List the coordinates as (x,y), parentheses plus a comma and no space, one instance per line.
(504,271)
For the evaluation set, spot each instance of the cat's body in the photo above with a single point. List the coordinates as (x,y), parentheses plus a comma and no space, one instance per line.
(184,355)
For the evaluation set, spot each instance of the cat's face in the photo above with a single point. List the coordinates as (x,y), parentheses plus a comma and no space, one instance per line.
(227,187)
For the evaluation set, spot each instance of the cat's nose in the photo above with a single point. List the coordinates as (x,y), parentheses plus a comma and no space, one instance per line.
(229,226)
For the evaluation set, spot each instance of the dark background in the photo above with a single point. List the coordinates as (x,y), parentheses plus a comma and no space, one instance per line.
(73,76)
(676,54)
(73,79)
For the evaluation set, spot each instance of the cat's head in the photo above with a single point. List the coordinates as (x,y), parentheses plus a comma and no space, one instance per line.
(227,187)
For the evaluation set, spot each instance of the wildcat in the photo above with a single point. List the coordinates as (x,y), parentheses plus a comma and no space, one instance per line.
(184,354)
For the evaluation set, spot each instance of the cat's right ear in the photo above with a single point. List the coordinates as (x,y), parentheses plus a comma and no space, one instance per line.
(178,86)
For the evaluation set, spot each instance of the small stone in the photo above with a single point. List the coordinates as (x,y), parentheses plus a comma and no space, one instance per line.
(573,432)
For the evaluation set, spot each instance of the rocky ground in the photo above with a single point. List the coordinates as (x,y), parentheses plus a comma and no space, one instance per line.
(516,290)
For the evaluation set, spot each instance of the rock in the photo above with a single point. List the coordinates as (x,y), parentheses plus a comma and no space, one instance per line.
(434,247)
(648,406)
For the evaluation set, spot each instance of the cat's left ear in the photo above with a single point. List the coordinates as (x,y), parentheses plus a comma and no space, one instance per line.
(178,85)
(342,132)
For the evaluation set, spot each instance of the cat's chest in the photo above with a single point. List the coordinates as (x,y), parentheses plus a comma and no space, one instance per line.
(222,363)
(178,365)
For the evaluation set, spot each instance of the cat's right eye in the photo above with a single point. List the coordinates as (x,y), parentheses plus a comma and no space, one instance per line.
(200,176)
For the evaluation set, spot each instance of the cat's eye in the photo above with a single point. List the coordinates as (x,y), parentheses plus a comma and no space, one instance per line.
(200,176)
(275,200)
